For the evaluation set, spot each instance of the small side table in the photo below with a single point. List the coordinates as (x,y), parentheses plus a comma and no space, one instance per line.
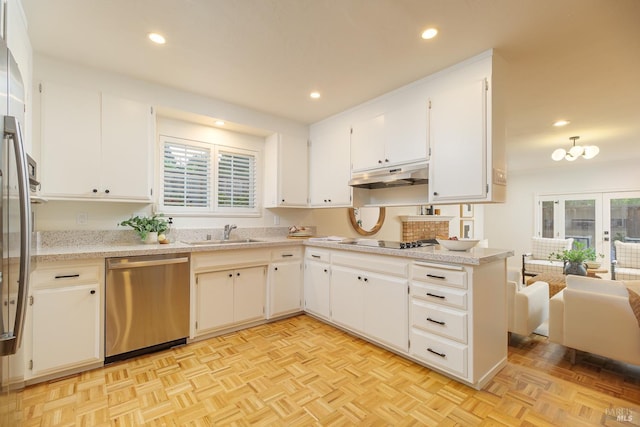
(556,281)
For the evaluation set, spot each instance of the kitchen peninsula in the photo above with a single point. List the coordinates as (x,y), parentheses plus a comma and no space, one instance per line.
(433,306)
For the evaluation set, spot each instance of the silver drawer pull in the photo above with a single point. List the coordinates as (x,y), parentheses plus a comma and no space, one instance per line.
(433,276)
(436,321)
(436,353)
(67,276)
(435,296)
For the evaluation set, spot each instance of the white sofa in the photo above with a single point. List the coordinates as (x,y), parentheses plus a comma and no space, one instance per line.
(527,306)
(594,315)
(626,265)
(537,261)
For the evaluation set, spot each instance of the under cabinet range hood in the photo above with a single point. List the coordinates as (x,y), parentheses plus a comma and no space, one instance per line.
(412,174)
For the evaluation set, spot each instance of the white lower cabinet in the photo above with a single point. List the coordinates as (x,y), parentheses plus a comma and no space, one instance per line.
(65,314)
(370,303)
(229,297)
(317,283)
(457,319)
(285,282)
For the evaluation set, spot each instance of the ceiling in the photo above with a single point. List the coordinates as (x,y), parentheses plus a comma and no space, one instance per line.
(567,59)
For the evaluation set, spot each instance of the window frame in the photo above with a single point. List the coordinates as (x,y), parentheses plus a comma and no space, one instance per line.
(213,209)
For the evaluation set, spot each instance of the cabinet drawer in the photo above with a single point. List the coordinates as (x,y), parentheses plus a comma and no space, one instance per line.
(318,254)
(440,320)
(439,352)
(440,294)
(454,276)
(285,254)
(65,275)
(375,263)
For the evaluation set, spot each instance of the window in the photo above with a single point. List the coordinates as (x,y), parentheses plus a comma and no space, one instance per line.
(186,175)
(193,182)
(236,180)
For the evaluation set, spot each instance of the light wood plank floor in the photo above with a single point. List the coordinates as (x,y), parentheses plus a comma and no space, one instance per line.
(302,372)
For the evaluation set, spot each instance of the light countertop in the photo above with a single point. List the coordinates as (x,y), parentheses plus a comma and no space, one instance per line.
(475,256)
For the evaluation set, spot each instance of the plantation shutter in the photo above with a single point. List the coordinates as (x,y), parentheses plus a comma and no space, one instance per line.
(236,180)
(186,175)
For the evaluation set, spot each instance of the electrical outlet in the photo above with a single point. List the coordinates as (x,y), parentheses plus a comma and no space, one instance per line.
(276,220)
(82,218)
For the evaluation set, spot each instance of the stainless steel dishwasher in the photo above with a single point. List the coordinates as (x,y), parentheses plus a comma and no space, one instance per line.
(146,305)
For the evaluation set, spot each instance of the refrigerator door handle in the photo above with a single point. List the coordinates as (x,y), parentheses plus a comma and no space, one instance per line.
(10,343)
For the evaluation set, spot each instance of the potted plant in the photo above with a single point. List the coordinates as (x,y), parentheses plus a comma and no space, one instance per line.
(147,228)
(575,258)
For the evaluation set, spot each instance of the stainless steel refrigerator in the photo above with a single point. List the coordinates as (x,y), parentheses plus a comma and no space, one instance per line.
(15,222)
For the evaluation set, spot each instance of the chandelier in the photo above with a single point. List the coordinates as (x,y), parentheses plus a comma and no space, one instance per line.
(587,152)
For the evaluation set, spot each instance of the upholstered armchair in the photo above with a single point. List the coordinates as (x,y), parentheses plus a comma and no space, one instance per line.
(537,261)
(527,306)
(626,265)
(594,315)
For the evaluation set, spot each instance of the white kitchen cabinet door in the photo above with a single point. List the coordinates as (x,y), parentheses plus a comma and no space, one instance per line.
(458,140)
(405,131)
(370,303)
(126,166)
(330,166)
(386,316)
(95,146)
(70,151)
(66,328)
(317,288)
(285,288)
(286,171)
(368,144)
(348,297)
(249,294)
(214,299)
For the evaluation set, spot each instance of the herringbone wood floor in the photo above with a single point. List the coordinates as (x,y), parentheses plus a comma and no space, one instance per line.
(299,371)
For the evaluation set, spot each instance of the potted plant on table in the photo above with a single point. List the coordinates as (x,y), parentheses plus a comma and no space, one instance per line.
(148,228)
(575,258)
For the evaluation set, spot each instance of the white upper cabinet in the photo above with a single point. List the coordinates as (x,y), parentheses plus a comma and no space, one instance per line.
(405,130)
(393,138)
(459,140)
(70,149)
(466,135)
(368,144)
(330,165)
(127,136)
(286,171)
(95,146)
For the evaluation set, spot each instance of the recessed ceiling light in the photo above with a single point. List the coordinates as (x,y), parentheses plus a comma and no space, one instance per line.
(219,123)
(315,95)
(561,123)
(157,38)
(429,33)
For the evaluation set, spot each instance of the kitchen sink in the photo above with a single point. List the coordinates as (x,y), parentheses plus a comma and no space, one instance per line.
(220,242)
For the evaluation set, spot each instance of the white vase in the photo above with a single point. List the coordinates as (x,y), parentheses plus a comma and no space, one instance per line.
(152,238)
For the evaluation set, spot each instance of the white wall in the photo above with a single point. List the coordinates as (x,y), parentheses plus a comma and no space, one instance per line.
(511,225)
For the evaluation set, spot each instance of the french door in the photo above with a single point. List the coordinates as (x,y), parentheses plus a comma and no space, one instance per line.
(595,219)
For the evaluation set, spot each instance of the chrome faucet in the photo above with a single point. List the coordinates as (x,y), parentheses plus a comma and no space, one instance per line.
(227,230)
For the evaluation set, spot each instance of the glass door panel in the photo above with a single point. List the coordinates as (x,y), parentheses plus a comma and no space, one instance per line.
(622,214)
(548,218)
(580,221)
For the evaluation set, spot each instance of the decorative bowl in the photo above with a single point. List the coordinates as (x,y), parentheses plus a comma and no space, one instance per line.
(593,264)
(457,245)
